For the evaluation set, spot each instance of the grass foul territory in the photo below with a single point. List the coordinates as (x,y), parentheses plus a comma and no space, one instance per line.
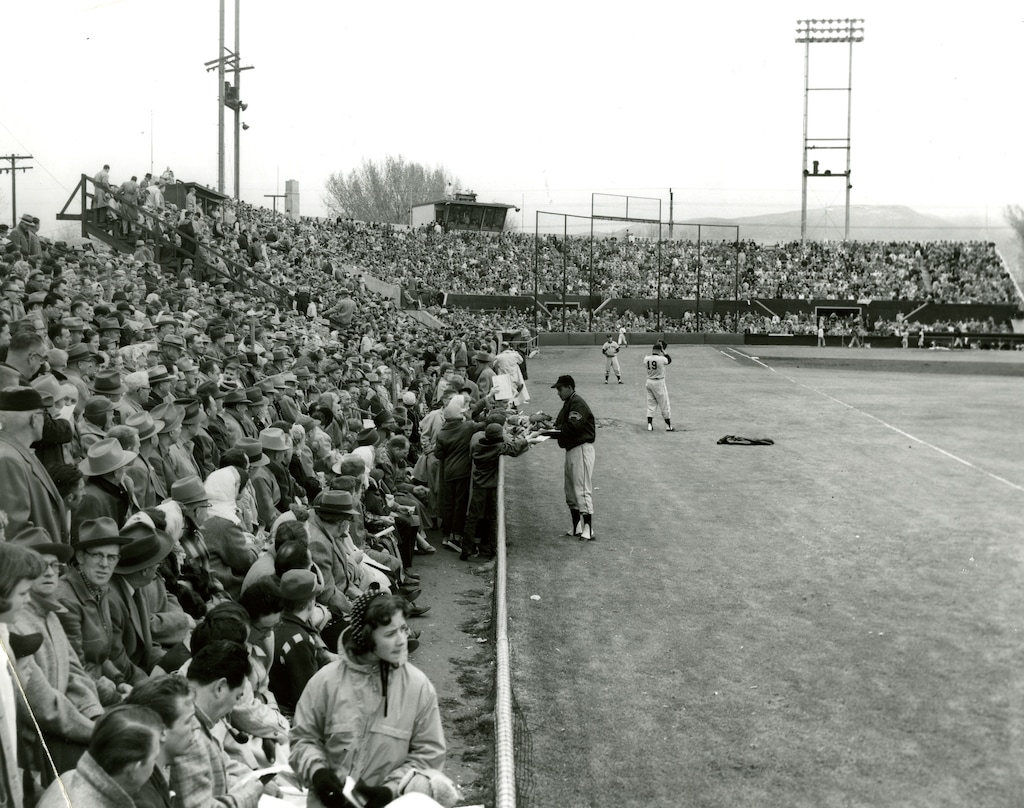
(834,620)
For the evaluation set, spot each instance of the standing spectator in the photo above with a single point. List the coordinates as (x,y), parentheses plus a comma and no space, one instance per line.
(101,191)
(483,502)
(28,495)
(24,237)
(452,452)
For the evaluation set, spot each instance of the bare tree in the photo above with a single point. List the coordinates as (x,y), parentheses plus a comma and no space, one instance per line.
(386,190)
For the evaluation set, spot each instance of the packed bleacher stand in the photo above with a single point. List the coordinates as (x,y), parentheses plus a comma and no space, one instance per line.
(168,432)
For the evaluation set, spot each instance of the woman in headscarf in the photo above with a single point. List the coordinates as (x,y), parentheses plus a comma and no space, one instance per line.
(231,552)
(371,715)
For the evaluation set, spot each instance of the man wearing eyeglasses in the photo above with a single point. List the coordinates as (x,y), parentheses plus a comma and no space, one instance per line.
(25,356)
(27,495)
(63,697)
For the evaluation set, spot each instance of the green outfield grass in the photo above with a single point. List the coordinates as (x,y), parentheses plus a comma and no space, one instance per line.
(835,620)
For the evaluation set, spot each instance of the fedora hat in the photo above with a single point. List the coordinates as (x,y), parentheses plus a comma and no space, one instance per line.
(236,396)
(97,405)
(255,395)
(171,414)
(20,399)
(108,383)
(98,532)
(303,373)
(47,385)
(340,503)
(367,437)
(189,491)
(254,451)
(38,539)
(173,339)
(186,365)
(193,411)
(145,423)
(105,456)
(110,324)
(146,547)
(211,390)
(74,323)
(158,374)
(482,356)
(76,353)
(273,439)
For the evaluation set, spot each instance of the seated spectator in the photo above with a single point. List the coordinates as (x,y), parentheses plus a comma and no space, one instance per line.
(87,616)
(299,651)
(170,698)
(64,699)
(122,753)
(204,775)
(231,553)
(374,684)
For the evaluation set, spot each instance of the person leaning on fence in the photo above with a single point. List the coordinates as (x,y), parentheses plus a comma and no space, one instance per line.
(483,501)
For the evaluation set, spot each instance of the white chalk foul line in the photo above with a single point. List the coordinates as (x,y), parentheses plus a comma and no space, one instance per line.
(886,424)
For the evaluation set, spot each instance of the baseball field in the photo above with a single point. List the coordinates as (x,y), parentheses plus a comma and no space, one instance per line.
(835,620)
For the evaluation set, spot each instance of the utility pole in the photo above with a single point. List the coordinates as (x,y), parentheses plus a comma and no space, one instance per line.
(14,169)
(275,197)
(228,95)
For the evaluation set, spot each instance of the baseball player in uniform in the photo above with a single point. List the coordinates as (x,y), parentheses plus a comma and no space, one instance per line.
(577,430)
(657,393)
(610,349)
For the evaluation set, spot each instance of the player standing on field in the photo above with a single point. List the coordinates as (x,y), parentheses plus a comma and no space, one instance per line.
(610,349)
(657,392)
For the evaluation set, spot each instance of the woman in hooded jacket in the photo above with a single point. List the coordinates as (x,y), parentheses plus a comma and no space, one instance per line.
(371,715)
(231,552)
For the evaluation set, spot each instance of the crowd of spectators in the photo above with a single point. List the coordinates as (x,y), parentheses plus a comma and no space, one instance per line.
(508,263)
(206,473)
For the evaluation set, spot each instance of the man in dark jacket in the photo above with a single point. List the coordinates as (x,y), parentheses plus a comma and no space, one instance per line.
(576,434)
(452,452)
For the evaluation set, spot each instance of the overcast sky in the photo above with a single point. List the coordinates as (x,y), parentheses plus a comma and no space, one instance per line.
(535,104)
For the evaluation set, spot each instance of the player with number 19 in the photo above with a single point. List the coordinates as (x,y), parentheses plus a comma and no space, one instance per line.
(657,393)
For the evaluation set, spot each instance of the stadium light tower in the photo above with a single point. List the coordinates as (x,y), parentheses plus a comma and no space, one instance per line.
(848,31)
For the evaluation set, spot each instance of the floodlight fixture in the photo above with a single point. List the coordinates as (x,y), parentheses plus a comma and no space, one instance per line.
(850,29)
